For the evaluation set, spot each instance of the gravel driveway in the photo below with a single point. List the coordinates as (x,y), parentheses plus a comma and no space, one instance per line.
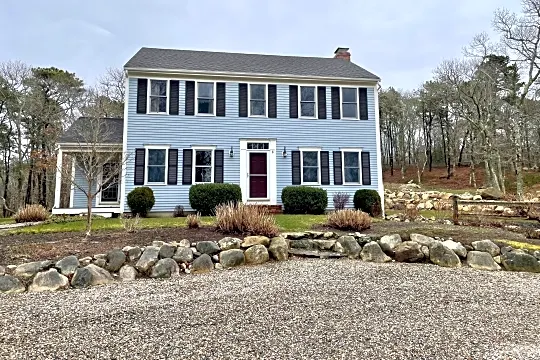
(300,309)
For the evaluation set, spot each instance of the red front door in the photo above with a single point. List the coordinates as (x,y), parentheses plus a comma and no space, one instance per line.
(258,176)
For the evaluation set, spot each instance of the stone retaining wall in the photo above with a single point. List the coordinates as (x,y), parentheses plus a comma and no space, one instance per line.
(165,260)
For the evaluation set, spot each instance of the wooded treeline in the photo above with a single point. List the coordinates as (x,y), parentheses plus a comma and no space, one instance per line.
(481,110)
(36,106)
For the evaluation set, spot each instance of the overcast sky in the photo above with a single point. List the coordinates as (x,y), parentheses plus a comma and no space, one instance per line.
(399,40)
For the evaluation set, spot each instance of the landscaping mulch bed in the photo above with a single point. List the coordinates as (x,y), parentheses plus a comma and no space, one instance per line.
(15,249)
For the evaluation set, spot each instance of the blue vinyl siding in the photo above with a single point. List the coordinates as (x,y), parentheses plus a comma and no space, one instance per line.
(79,198)
(181,132)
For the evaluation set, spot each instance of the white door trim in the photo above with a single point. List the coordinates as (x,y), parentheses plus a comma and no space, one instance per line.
(272,170)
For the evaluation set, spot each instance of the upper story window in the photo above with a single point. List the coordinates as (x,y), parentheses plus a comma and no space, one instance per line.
(349,103)
(307,102)
(204,159)
(257,100)
(205,98)
(156,165)
(158,96)
(351,166)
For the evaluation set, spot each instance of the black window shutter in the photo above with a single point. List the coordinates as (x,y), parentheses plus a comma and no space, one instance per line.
(174,100)
(296,171)
(172,172)
(242,100)
(220,99)
(142,89)
(325,168)
(336,103)
(293,101)
(187,157)
(366,169)
(190,97)
(272,101)
(218,166)
(139,167)
(321,100)
(362,103)
(338,176)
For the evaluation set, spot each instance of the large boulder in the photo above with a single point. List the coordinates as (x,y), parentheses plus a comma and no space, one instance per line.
(324,244)
(165,268)
(456,247)
(11,285)
(202,264)
(389,242)
(443,256)
(490,193)
(115,259)
(133,252)
(149,258)
(423,240)
(184,243)
(166,251)
(26,271)
(487,246)
(306,244)
(231,258)
(372,252)
(279,248)
(255,240)
(91,275)
(350,245)
(516,261)
(229,243)
(207,247)
(68,265)
(49,280)
(256,254)
(408,251)
(183,255)
(127,273)
(481,261)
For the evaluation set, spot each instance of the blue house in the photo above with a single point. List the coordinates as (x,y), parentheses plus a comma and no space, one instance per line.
(261,121)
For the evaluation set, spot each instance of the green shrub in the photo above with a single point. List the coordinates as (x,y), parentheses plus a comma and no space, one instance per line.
(368,201)
(204,198)
(141,200)
(304,200)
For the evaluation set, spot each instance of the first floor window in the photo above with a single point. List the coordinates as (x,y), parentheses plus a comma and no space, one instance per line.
(349,103)
(351,166)
(310,167)
(109,181)
(205,98)
(158,96)
(257,99)
(203,165)
(156,166)
(307,101)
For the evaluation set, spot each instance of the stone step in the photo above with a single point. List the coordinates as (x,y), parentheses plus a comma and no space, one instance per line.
(315,253)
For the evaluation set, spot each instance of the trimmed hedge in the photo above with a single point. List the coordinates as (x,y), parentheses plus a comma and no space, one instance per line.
(141,200)
(304,200)
(204,198)
(368,201)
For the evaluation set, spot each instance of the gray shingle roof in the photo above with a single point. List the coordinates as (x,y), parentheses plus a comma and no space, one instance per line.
(190,60)
(112,130)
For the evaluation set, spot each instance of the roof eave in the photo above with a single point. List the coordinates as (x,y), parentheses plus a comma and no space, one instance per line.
(247,75)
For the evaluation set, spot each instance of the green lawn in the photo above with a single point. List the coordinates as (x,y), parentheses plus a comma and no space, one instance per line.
(285,223)
(6,221)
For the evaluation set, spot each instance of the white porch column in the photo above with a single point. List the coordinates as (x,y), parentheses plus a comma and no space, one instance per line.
(58,179)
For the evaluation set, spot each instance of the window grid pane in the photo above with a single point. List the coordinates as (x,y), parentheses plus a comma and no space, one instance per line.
(156,173)
(203,174)
(258,107)
(258,92)
(205,90)
(307,109)
(205,106)
(158,87)
(203,157)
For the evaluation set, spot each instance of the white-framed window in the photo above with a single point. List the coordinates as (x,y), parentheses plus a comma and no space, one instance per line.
(203,165)
(310,164)
(156,161)
(349,103)
(258,94)
(158,92)
(352,167)
(308,102)
(206,95)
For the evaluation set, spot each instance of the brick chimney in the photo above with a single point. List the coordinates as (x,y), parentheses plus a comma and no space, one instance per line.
(342,53)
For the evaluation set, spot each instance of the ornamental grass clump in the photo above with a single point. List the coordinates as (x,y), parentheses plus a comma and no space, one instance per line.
(31,213)
(245,219)
(349,220)
(193,221)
